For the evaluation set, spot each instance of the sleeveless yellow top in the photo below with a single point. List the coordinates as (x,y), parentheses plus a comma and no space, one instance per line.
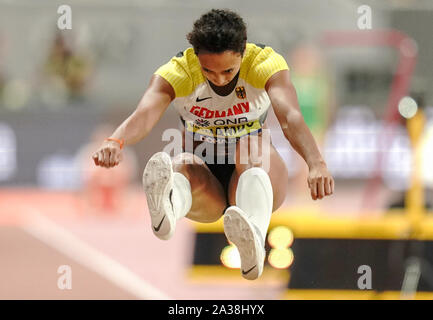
(216,118)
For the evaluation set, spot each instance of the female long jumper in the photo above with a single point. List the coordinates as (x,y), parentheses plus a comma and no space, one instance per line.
(222,88)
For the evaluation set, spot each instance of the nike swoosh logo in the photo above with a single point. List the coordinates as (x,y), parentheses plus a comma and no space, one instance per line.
(198,99)
(246,272)
(171,202)
(159,226)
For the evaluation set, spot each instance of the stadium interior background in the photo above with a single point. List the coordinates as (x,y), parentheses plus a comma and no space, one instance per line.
(366,94)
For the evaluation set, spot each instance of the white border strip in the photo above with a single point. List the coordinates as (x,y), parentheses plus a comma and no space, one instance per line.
(64,241)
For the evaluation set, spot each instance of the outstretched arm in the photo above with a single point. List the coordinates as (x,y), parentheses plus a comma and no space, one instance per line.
(152,106)
(285,104)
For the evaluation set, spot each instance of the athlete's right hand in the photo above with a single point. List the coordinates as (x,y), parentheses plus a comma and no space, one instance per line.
(108,155)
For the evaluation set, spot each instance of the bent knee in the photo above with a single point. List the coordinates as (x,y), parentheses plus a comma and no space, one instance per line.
(194,169)
(186,162)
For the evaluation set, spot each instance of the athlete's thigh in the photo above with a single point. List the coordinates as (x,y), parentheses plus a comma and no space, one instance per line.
(208,197)
(266,157)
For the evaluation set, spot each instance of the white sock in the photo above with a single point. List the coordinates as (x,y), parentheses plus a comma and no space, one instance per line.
(254,196)
(181,196)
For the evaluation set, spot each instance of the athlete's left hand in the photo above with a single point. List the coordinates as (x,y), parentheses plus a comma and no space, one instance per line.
(320,182)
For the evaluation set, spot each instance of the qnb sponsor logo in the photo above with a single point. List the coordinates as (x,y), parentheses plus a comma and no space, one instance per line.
(220,122)
(237,109)
(235,131)
(253,148)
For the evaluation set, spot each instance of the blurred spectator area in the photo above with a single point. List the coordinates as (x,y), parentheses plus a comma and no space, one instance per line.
(65,73)
(127,41)
(116,46)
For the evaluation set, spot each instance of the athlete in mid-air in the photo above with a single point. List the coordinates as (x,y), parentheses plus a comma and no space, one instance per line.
(222,88)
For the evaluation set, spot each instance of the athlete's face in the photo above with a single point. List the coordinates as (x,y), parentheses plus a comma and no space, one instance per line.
(220,68)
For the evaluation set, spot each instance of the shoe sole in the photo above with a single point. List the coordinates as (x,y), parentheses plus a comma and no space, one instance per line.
(157,183)
(241,233)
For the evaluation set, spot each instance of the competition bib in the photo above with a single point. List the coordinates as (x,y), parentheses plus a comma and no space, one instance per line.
(223,133)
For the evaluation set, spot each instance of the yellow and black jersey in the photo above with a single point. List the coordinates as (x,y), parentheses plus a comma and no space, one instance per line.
(216,118)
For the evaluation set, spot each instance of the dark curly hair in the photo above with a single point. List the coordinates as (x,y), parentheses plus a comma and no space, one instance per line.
(217,31)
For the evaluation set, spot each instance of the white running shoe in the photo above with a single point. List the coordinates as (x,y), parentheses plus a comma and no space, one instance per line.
(158,185)
(248,241)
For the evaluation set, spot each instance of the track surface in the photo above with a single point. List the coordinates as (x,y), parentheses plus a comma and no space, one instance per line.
(111,255)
